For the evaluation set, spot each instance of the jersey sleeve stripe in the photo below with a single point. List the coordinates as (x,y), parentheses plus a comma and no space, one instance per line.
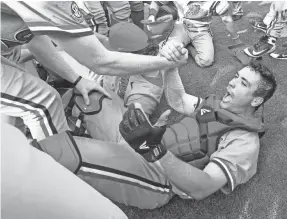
(40,30)
(48,24)
(227,172)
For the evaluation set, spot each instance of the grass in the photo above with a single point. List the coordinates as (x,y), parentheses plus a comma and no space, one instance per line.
(264,196)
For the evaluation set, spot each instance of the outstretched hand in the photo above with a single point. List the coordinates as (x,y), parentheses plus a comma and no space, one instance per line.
(174,51)
(85,86)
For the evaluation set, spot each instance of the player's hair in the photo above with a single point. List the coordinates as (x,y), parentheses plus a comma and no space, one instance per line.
(267,84)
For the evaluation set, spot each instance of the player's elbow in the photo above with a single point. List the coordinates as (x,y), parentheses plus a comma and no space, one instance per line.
(202,191)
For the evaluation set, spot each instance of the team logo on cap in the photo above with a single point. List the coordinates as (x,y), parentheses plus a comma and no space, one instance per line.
(76,13)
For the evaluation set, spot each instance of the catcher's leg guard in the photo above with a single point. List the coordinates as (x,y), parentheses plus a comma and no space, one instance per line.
(101,118)
(105,124)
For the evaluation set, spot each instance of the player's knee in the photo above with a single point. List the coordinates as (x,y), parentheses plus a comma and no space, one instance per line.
(204,60)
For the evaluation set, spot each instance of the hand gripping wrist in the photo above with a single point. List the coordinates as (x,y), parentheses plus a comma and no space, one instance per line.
(156,152)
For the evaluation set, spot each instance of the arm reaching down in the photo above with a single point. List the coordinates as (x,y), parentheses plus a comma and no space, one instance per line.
(91,53)
(47,54)
(175,93)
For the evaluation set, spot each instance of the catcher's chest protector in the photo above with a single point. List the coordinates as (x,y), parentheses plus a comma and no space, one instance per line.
(195,138)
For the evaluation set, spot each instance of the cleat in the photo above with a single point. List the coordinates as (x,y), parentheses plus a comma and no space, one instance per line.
(258,25)
(265,45)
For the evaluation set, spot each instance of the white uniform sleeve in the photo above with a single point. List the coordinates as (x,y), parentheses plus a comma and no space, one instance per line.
(52,17)
(237,156)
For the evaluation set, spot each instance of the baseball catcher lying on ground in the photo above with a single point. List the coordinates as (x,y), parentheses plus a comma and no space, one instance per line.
(214,148)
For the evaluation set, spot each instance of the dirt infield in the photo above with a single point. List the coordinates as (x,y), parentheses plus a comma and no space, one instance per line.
(265,195)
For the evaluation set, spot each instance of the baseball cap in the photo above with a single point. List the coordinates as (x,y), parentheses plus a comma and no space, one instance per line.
(127,37)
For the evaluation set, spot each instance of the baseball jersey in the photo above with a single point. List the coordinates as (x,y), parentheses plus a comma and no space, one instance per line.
(20,21)
(237,156)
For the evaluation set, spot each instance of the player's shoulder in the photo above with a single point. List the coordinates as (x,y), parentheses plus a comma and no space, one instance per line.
(240,136)
(52,17)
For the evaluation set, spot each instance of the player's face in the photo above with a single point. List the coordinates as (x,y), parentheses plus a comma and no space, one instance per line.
(239,94)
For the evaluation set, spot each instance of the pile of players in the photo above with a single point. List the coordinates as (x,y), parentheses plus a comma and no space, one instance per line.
(109,142)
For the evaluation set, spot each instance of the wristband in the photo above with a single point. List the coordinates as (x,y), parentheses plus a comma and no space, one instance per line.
(77,81)
(156,153)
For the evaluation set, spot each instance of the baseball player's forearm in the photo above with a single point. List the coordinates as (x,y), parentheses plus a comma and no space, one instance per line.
(48,55)
(92,54)
(175,93)
(132,64)
(192,181)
